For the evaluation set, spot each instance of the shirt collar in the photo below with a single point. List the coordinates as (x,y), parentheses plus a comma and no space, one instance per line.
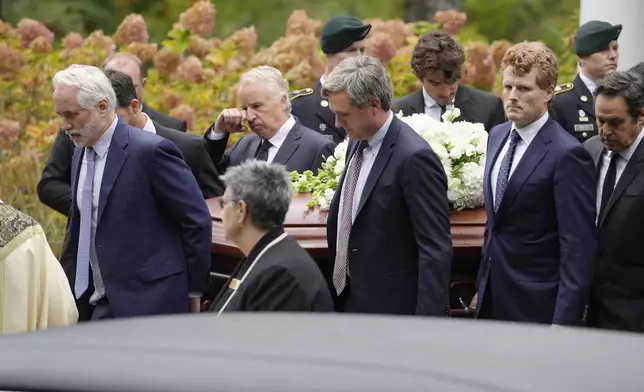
(149,125)
(589,83)
(103,144)
(431,102)
(322,79)
(628,153)
(528,132)
(379,136)
(281,134)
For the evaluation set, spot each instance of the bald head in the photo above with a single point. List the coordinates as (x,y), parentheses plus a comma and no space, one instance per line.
(130,65)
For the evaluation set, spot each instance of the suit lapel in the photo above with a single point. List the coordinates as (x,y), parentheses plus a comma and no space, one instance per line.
(493,151)
(630,171)
(379,164)
(116,157)
(417,104)
(462,101)
(529,162)
(289,145)
(77,160)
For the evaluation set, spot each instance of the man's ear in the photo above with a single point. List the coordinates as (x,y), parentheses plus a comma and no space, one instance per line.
(143,82)
(136,106)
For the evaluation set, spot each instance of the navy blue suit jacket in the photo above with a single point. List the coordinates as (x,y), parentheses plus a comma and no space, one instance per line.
(539,247)
(400,245)
(154,231)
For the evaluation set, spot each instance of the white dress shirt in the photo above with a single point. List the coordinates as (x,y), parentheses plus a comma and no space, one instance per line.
(276,140)
(621,163)
(149,125)
(101,147)
(589,83)
(431,106)
(369,155)
(527,134)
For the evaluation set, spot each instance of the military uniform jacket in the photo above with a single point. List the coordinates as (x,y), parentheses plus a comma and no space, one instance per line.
(313,112)
(573,108)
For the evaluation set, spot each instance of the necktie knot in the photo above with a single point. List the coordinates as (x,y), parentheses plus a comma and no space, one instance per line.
(362,144)
(262,154)
(515,137)
(90,153)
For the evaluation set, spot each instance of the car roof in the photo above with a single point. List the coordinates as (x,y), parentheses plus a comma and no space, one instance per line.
(319,352)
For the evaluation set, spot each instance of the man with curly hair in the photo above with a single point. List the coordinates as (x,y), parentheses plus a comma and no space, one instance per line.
(539,189)
(437,61)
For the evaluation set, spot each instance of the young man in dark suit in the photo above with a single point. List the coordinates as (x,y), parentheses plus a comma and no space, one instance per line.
(437,61)
(539,190)
(617,295)
(139,234)
(388,225)
(277,136)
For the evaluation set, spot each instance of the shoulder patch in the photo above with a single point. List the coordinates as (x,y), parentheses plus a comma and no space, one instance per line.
(300,93)
(562,88)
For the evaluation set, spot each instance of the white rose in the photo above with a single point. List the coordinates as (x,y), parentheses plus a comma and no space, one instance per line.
(323,203)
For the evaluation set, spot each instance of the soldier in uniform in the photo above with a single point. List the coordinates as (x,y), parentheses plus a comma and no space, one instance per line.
(572,107)
(342,36)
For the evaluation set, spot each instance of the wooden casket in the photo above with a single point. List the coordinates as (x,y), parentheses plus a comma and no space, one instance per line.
(308,227)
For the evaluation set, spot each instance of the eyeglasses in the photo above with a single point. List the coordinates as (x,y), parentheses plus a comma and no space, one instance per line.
(223,203)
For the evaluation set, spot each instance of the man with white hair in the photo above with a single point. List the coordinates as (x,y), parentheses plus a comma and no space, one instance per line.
(139,233)
(277,137)
(388,223)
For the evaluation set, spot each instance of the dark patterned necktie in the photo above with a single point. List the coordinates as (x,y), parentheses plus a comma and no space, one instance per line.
(609,184)
(504,170)
(262,155)
(346,219)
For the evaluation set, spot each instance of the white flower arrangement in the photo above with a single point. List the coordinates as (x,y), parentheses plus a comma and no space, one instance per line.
(460,146)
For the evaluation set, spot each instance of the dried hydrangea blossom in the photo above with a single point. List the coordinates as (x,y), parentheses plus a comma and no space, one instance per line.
(199,19)
(451,21)
(184,112)
(379,45)
(144,51)
(299,23)
(190,70)
(132,29)
(29,29)
(10,61)
(9,131)
(72,41)
(199,46)
(166,62)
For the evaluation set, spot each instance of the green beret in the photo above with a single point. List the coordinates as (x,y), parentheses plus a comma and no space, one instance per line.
(595,36)
(341,31)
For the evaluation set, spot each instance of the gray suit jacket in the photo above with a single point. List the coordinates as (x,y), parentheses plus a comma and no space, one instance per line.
(476,106)
(617,297)
(303,149)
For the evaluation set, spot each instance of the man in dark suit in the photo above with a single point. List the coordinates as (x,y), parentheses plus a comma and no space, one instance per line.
(192,147)
(277,137)
(137,224)
(437,61)
(132,66)
(388,225)
(595,45)
(54,185)
(539,190)
(617,295)
(277,273)
(341,37)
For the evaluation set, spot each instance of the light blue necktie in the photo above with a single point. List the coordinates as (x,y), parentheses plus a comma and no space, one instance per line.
(504,170)
(85,235)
